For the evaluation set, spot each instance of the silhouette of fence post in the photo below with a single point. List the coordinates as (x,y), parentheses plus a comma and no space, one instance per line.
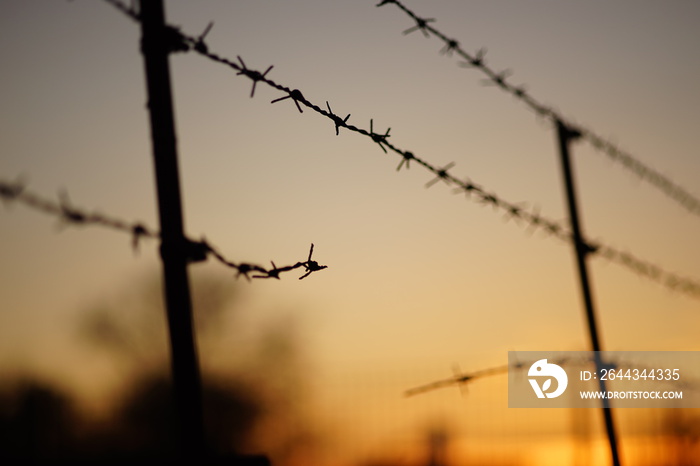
(582,249)
(156,44)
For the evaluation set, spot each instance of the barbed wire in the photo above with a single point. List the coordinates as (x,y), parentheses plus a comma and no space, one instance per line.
(463,379)
(459,379)
(500,78)
(195,251)
(177,41)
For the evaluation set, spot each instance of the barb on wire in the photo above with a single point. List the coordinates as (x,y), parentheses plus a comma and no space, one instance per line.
(458,379)
(475,61)
(378,138)
(68,213)
(138,231)
(407,157)
(645,172)
(311,266)
(295,95)
(532,219)
(499,79)
(199,44)
(450,47)
(515,212)
(255,76)
(468,187)
(336,119)
(195,251)
(441,175)
(421,25)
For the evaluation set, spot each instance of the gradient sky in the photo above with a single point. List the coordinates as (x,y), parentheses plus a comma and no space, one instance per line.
(418,279)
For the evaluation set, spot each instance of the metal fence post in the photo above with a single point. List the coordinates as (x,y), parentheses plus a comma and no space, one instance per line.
(185,366)
(582,249)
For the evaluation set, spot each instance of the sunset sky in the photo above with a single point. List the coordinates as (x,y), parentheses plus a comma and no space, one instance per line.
(418,279)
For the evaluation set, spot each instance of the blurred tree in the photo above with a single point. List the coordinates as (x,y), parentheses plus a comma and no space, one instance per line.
(254,404)
(132,328)
(144,423)
(257,404)
(37,422)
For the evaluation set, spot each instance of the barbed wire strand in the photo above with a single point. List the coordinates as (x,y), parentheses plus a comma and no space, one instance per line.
(196,251)
(500,79)
(463,379)
(457,379)
(180,42)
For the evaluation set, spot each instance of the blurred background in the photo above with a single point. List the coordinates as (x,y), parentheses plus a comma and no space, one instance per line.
(418,280)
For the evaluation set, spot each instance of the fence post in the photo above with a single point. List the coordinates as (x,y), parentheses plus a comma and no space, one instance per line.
(155,48)
(582,249)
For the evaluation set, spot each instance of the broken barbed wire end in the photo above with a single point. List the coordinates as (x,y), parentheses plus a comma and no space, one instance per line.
(310,265)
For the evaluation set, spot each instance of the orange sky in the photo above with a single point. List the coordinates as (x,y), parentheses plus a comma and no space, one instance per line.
(418,279)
